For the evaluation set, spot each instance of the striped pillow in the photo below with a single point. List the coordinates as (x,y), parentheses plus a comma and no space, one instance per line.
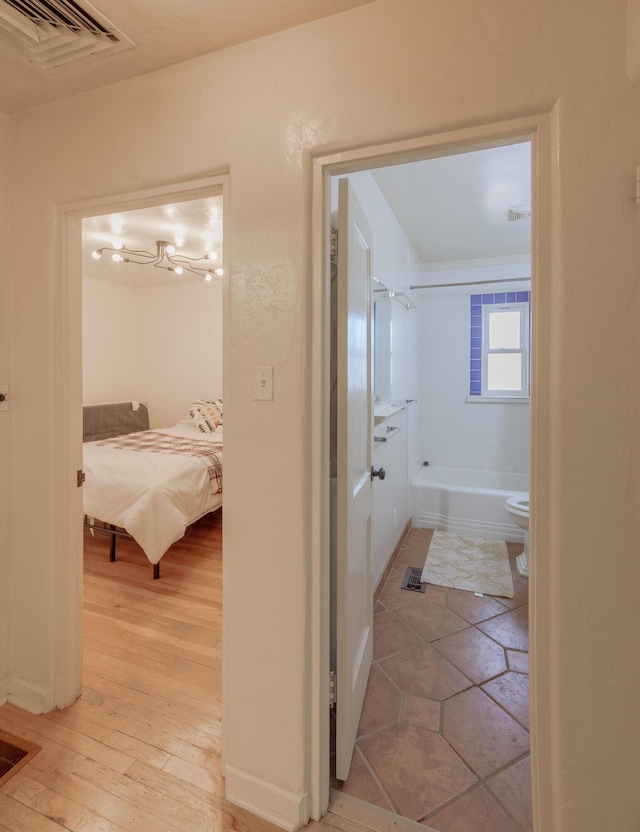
(204,417)
(215,409)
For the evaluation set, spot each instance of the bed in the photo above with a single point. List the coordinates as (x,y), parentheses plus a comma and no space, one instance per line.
(150,484)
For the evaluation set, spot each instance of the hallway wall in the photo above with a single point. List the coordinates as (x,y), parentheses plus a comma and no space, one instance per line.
(389,70)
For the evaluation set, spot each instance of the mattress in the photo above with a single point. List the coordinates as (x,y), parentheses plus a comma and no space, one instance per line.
(153,496)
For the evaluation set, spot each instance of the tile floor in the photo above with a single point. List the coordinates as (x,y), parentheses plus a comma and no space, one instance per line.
(444,732)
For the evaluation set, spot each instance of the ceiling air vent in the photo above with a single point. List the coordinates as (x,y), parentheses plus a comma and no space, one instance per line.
(54,34)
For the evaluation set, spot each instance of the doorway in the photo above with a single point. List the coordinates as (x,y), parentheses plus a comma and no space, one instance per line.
(417,537)
(71,217)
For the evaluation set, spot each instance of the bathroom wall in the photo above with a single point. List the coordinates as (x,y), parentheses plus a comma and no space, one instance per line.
(451,430)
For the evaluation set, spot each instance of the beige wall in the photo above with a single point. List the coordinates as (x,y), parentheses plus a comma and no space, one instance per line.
(111,343)
(157,344)
(182,347)
(5,418)
(396,68)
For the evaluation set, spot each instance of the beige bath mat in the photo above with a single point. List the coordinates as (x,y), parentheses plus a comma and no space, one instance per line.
(470,563)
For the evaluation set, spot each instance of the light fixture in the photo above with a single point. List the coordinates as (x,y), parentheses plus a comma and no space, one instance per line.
(164,258)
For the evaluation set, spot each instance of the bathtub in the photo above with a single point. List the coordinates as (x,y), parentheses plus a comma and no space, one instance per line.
(466,501)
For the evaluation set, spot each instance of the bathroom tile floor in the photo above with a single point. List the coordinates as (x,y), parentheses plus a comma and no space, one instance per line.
(444,733)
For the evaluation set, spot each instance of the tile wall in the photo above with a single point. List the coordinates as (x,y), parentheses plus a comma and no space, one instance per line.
(452,431)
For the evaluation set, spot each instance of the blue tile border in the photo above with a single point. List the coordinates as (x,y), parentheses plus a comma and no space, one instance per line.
(476,302)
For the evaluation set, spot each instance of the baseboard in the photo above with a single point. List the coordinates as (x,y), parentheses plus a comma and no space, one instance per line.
(385,572)
(29,697)
(4,690)
(285,809)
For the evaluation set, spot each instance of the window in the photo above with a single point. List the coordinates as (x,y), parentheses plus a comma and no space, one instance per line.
(499,362)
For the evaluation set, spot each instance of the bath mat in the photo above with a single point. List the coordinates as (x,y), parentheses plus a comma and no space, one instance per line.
(470,563)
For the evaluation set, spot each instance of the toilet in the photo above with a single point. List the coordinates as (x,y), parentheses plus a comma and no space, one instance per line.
(518,508)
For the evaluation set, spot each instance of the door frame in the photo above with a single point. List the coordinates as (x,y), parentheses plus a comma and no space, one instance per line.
(68,402)
(538,128)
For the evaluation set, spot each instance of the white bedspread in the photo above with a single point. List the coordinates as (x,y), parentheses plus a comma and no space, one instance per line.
(154,496)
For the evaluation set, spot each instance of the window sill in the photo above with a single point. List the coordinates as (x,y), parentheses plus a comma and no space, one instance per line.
(498,399)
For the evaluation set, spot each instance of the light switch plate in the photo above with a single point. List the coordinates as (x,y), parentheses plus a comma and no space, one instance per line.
(263,388)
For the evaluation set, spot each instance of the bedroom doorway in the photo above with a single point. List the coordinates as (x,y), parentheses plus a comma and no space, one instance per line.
(154,647)
(372,781)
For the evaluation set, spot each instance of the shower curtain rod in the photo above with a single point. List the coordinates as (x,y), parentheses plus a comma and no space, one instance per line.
(470,283)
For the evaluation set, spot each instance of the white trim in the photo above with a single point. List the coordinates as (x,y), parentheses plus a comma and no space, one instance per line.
(319,498)
(497,399)
(523,308)
(479,262)
(267,800)
(67,414)
(223,180)
(537,129)
(67,452)
(148,197)
(32,698)
(545,267)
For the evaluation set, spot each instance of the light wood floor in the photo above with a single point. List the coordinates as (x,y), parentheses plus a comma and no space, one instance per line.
(140,749)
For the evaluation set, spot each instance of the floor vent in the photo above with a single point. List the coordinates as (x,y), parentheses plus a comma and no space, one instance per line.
(14,753)
(412,579)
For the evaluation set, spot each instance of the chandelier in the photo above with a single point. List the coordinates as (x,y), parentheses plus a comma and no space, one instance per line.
(165,257)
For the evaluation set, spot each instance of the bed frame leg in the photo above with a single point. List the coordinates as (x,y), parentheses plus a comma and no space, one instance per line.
(156,571)
(112,546)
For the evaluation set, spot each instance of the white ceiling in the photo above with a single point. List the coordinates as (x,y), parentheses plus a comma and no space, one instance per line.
(456,208)
(162,32)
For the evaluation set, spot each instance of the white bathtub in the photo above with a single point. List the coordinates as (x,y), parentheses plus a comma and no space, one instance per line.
(466,501)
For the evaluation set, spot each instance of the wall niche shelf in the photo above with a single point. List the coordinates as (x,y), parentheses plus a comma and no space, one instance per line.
(385,437)
(385,410)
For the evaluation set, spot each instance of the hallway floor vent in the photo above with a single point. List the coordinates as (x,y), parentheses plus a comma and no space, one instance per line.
(412,580)
(56,34)
(14,753)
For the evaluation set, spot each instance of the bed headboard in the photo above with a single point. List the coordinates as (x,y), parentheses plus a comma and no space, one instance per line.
(101,421)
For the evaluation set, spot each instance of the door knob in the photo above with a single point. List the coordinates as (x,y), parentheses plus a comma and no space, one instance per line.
(379,473)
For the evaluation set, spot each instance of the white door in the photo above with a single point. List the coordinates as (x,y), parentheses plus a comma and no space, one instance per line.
(353,508)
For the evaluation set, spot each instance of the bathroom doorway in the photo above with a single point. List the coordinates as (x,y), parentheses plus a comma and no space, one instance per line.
(478,642)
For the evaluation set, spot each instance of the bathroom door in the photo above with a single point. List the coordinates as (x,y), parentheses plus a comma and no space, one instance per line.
(353,508)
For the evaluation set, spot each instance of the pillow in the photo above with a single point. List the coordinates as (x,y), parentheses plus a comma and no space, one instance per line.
(205,418)
(215,409)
